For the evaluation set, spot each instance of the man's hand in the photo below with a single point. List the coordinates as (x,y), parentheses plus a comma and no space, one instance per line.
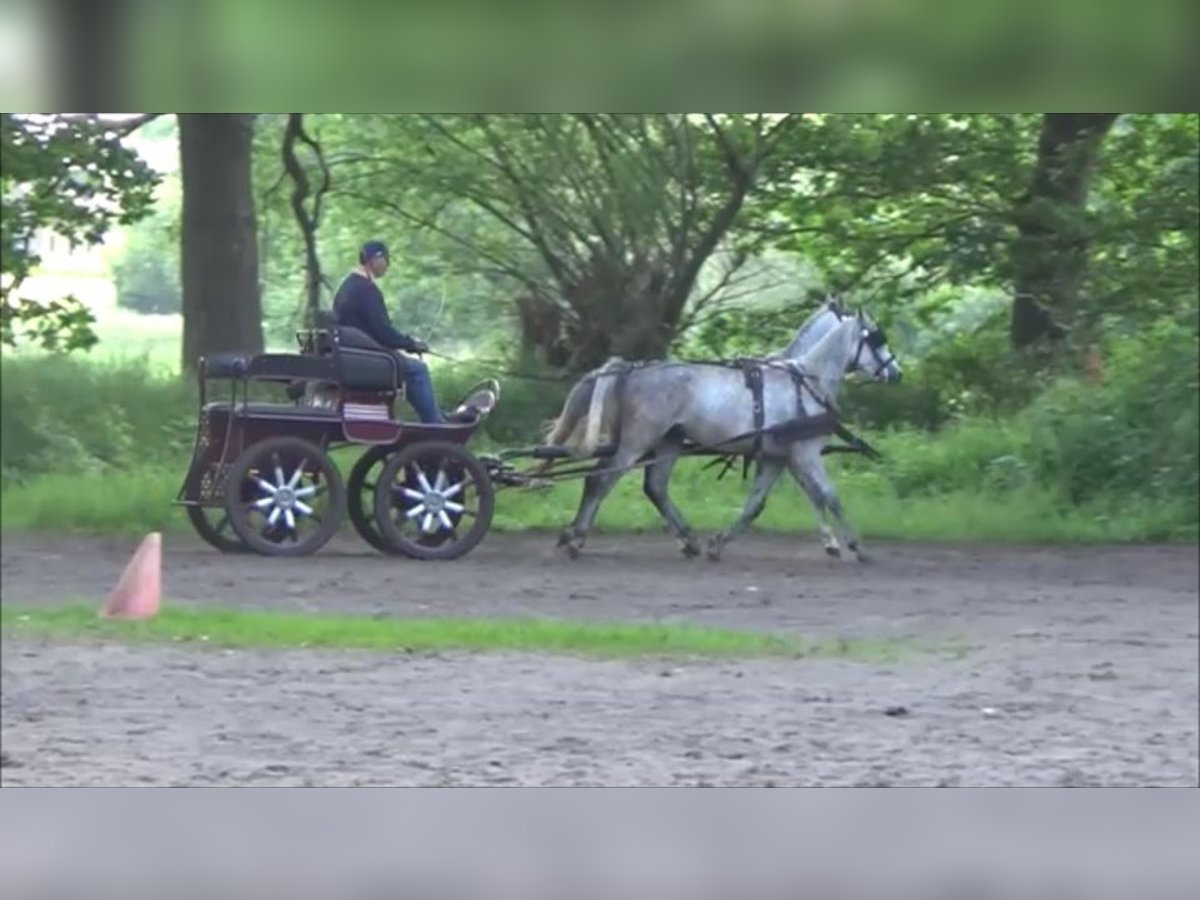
(419,346)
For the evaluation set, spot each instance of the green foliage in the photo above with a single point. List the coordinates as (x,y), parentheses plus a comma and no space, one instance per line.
(147,273)
(900,202)
(1136,434)
(62,325)
(585,235)
(896,206)
(436,288)
(1145,255)
(73,417)
(72,177)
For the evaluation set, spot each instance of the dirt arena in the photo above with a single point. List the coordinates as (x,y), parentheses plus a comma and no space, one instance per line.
(1082,670)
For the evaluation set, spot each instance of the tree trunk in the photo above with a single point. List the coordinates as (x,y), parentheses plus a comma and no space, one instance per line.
(308,220)
(1050,254)
(222,306)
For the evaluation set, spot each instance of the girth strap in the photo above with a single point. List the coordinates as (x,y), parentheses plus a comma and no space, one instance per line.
(752,373)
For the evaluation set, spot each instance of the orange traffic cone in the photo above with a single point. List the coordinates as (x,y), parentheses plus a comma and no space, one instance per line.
(139,592)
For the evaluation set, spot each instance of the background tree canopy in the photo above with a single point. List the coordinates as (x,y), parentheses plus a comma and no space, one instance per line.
(557,240)
(72,176)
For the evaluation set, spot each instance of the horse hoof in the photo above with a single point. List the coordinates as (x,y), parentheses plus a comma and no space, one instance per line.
(689,549)
(834,551)
(713,553)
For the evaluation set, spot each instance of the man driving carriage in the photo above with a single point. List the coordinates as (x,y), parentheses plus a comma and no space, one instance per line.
(359,304)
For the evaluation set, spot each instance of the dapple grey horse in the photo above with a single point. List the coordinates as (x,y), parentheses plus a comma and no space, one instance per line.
(659,407)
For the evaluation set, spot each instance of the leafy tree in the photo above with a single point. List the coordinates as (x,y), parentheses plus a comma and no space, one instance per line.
(1050,253)
(147,272)
(599,224)
(1065,213)
(70,175)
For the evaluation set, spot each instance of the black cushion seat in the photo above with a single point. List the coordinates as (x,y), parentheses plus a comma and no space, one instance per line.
(369,370)
(344,356)
(366,365)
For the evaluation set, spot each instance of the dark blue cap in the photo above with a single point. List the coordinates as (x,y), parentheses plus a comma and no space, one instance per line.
(372,249)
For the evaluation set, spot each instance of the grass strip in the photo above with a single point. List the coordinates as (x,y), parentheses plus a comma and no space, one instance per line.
(134,502)
(253,629)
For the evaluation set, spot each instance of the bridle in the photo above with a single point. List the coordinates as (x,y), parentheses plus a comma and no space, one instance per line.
(875,339)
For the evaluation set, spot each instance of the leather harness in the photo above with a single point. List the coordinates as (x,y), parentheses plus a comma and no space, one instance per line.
(802,427)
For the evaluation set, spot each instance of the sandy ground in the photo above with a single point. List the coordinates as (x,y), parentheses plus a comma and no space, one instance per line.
(1083,670)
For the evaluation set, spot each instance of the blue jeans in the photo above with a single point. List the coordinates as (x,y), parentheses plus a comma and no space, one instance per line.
(419,390)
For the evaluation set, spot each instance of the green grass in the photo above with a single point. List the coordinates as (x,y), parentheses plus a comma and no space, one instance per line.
(124,336)
(134,502)
(238,629)
(871,503)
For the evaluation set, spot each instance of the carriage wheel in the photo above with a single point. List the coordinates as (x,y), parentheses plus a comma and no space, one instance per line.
(285,497)
(216,529)
(360,497)
(425,495)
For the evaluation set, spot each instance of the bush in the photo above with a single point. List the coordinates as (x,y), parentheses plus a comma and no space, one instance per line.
(1136,433)
(62,414)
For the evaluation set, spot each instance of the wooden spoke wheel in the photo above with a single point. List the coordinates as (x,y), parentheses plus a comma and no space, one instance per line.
(434,500)
(360,497)
(216,529)
(285,497)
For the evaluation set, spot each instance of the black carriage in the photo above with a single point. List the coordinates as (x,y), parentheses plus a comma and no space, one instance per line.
(262,478)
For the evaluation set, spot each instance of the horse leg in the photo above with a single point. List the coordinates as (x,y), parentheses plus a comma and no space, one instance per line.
(658,476)
(768,473)
(828,538)
(595,488)
(808,463)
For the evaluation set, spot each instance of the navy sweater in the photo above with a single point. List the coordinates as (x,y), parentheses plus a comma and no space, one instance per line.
(359,304)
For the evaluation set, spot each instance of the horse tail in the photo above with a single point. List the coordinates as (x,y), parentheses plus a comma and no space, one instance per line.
(587,409)
(558,431)
(602,412)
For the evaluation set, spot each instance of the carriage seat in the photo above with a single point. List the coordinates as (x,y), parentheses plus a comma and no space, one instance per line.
(364,364)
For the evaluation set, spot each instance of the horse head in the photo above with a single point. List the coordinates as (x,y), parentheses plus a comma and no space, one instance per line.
(872,356)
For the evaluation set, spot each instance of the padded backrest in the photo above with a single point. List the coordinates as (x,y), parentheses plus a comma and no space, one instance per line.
(369,370)
(349,336)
